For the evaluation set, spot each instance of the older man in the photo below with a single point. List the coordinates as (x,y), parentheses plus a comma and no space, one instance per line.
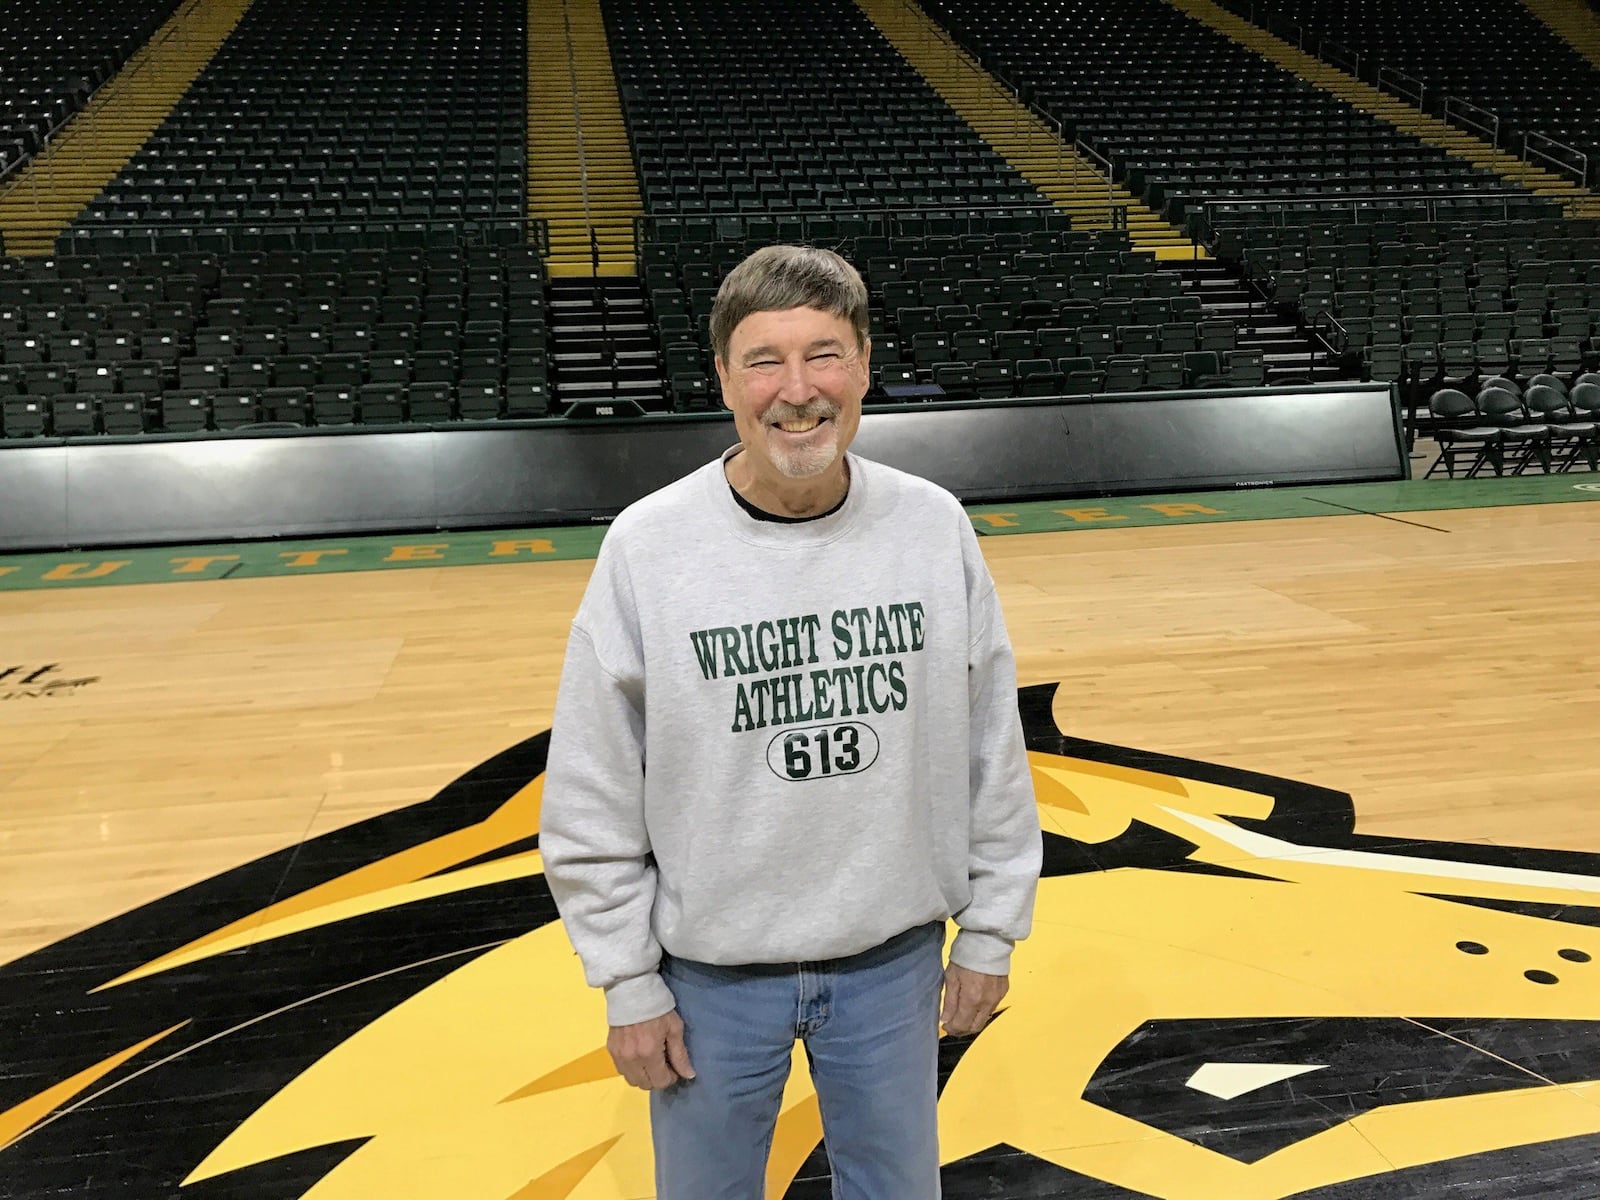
(787,751)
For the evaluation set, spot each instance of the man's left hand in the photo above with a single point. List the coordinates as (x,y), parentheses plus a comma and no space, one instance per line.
(970,999)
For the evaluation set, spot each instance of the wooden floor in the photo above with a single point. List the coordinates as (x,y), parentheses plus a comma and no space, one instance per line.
(1442,669)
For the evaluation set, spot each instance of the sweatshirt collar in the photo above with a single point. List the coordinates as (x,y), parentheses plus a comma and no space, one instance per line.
(780,534)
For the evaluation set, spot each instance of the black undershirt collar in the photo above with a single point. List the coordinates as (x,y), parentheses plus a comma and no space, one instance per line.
(762,514)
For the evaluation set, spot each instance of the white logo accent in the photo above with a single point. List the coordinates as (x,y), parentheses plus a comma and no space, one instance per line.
(1229,1081)
(1586,487)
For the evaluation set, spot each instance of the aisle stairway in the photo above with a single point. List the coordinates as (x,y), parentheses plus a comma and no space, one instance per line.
(1573,21)
(602,346)
(42,198)
(1290,354)
(580,168)
(1578,201)
(1035,149)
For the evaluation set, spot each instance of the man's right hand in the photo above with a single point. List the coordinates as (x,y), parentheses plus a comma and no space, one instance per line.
(651,1054)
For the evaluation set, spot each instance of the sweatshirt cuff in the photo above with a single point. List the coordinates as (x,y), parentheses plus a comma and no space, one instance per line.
(986,953)
(642,998)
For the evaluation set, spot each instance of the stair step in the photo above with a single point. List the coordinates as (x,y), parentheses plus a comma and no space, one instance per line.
(600,377)
(601,329)
(621,306)
(598,357)
(627,286)
(590,388)
(1223,294)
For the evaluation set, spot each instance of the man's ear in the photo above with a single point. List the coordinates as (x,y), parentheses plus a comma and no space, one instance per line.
(721,364)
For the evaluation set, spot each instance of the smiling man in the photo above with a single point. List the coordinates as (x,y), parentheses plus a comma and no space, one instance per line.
(794,383)
(786,751)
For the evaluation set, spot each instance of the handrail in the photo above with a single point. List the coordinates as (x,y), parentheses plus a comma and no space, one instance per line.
(577,133)
(1116,214)
(646,224)
(1334,324)
(1581,169)
(1391,75)
(1491,126)
(1060,129)
(1059,126)
(467,231)
(173,29)
(1331,51)
(1268,19)
(45,140)
(1284,30)
(1357,201)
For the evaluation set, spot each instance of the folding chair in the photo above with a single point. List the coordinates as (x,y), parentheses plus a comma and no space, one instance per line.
(1463,437)
(1504,408)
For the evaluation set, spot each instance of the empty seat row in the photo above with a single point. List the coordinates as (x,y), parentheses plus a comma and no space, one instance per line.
(1427,363)
(229,233)
(808,108)
(1070,376)
(305,93)
(144,341)
(378,367)
(470,320)
(191,411)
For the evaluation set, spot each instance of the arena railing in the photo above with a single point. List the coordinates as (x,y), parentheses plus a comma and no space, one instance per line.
(1367,207)
(146,235)
(1459,112)
(830,224)
(1575,163)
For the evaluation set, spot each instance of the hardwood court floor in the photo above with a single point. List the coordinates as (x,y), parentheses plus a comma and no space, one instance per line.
(286,821)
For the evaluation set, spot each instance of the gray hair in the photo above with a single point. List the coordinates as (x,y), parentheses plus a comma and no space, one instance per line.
(778,277)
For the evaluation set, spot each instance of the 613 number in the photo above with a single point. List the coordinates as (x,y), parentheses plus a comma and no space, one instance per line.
(822,751)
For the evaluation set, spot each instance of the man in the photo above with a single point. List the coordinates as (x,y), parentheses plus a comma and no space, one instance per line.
(787,750)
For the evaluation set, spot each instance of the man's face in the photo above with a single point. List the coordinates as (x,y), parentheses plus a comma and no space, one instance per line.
(794,380)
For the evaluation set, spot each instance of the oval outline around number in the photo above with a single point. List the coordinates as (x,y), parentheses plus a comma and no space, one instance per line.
(877,748)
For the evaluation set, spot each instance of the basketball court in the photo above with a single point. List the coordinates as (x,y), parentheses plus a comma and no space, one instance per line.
(1318,918)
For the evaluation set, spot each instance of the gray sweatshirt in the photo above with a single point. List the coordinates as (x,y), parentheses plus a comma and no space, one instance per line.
(786,742)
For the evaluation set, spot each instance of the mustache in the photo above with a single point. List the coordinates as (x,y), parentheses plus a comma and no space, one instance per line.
(819,409)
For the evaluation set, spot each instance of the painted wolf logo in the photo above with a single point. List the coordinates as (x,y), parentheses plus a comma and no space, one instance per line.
(1228,994)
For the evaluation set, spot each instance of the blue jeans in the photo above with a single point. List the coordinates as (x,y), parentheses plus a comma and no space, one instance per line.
(870,1024)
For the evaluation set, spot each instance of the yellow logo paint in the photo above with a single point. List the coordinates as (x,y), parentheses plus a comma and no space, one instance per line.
(1176,896)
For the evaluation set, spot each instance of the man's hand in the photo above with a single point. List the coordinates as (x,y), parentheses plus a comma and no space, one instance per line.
(651,1055)
(970,999)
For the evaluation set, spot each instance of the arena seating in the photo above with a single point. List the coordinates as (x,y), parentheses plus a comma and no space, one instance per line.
(982,304)
(330,229)
(1496,56)
(52,58)
(806,108)
(1187,115)
(1434,298)
(806,111)
(1445,307)
(363,114)
(195,341)
(807,125)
